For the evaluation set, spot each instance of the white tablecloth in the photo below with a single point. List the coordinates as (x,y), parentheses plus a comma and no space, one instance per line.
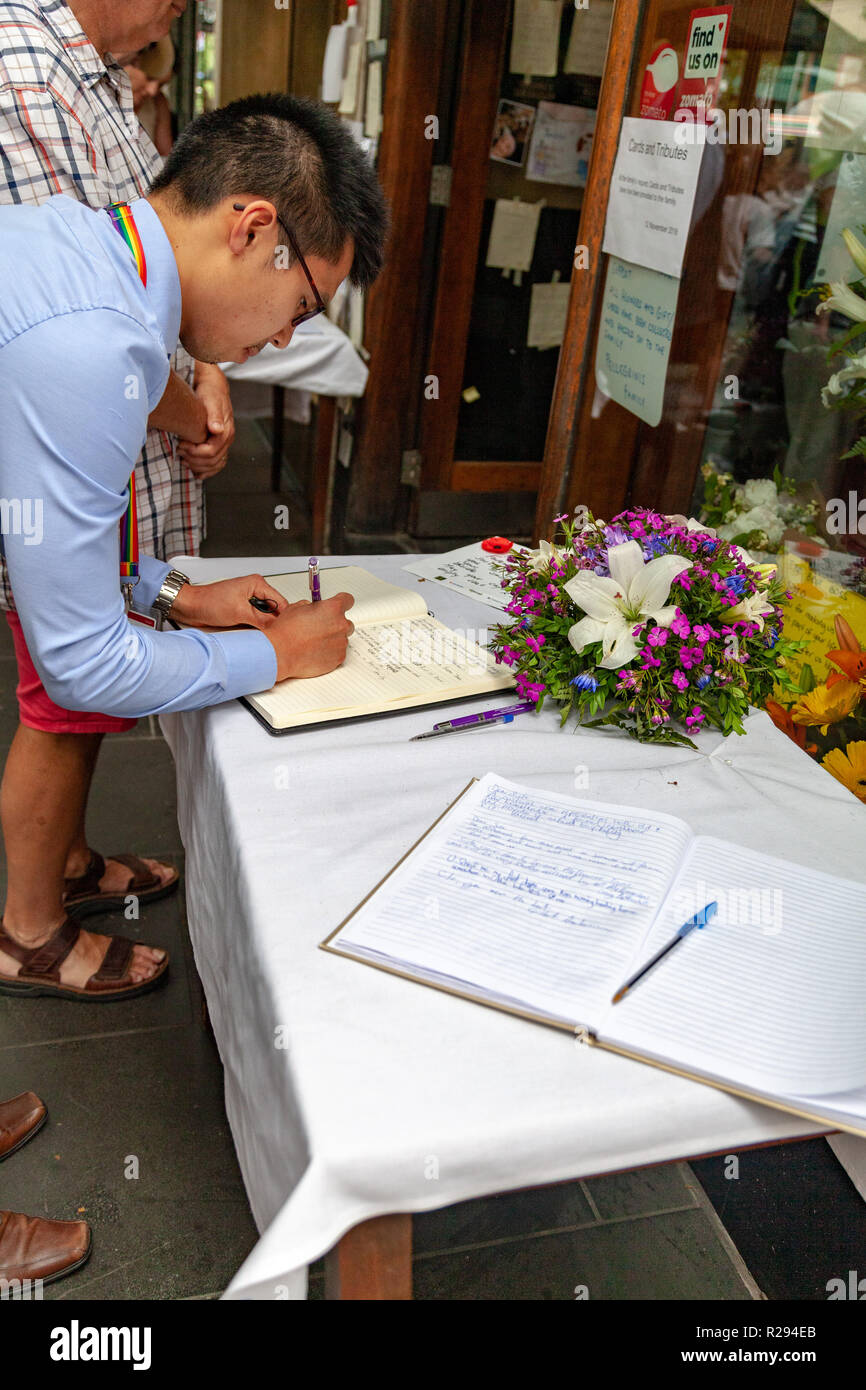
(320,358)
(352,1093)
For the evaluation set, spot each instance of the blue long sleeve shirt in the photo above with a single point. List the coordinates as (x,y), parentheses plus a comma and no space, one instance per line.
(84,351)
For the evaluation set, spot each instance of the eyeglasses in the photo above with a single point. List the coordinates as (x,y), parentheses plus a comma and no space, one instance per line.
(320,303)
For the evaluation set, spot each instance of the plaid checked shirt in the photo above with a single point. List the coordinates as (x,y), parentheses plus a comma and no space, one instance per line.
(67,125)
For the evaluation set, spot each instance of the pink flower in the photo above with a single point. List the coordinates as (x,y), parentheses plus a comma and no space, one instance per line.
(696,718)
(658,637)
(680,681)
(680,625)
(690,656)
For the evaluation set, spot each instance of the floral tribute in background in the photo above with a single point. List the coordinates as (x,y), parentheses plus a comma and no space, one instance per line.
(828,719)
(651,624)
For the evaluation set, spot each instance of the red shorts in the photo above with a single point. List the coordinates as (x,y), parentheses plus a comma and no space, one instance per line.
(38,711)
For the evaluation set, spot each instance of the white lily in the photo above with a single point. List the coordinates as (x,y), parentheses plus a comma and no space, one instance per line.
(615,604)
(543,557)
(846,300)
(856,368)
(750,610)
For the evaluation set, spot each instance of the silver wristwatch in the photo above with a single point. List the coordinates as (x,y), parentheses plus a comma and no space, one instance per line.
(169,590)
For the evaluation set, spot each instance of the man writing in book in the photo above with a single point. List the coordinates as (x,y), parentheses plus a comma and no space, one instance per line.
(261,211)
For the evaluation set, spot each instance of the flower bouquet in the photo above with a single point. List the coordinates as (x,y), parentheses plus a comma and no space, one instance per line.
(651,624)
(756,513)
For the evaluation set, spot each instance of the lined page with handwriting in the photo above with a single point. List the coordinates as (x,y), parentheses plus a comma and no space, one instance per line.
(771,992)
(526,896)
(388,665)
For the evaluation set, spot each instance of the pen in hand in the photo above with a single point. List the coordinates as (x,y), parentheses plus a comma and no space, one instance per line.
(315,591)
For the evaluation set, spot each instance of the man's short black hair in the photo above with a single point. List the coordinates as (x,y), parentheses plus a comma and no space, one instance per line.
(298,155)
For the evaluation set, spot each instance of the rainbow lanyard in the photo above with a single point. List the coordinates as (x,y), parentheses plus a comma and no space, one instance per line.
(124,222)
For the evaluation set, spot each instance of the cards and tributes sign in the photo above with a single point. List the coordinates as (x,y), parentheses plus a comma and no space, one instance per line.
(652,193)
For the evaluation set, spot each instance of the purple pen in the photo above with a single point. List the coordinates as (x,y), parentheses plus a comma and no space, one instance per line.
(315,591)
(472,721)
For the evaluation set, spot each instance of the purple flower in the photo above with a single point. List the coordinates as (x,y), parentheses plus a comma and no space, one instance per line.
(696,718)
(658,637)
(690,656)
(703,681)
(680,681)
(535,643)
(530,690)
(584,682)
(681,626)
(702,632)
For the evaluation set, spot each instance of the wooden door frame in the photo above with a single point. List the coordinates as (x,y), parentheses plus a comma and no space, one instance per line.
(486,23)
(415,50)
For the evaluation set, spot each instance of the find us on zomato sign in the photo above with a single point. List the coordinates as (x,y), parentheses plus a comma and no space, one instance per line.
(702,64)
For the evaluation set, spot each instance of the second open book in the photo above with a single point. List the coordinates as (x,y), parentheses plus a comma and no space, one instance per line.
(400,657)
(544,906)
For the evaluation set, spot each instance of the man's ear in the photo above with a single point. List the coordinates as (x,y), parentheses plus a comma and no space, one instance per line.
(249,220)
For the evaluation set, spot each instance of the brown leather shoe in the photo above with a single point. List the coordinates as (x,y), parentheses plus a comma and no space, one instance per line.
(20,1119)
(32,1248)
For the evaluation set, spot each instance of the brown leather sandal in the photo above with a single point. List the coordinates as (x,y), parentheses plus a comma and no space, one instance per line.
(40,967)
(83,898)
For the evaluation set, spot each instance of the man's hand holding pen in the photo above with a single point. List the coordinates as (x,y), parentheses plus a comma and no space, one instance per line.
(309,638)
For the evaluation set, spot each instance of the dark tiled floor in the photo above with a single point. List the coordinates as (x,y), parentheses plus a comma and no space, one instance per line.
(138,1142)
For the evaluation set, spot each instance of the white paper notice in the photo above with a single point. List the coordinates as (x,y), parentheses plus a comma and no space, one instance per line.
(513,233)
(652,193)
(469,570)
(535,37)
(634,337)
(561,144)
(373,106)
(547,314)
(349,99)
(587,46)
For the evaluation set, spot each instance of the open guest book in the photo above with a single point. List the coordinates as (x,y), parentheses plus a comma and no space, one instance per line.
(543,905)
(399,658)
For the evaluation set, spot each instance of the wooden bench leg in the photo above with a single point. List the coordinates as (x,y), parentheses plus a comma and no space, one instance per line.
(372,1261)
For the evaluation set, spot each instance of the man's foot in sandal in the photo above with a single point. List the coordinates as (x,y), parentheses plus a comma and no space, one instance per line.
(106,884)
(76,964)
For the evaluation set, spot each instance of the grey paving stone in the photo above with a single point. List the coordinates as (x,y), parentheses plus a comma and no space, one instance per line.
(675,1256)
(492,1218)
(133,801)
(639,1192)
(183,1226)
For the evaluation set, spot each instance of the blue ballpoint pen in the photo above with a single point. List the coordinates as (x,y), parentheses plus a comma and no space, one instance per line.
(700,919)
(474,721)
